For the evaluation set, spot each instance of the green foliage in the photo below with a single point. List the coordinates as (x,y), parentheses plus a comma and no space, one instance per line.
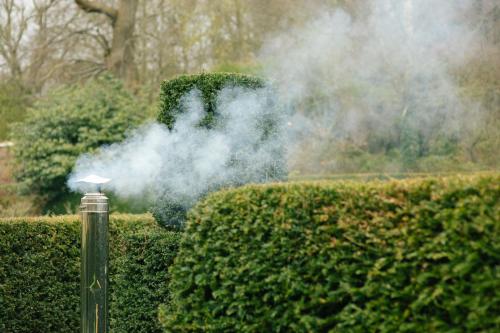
(402,256)
(68,122)
(40,273)
(13,104)
(141,282)
(172,211)
(209,84)
(410,146)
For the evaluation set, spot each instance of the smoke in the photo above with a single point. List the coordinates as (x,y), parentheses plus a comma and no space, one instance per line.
(370,83)
(363,83)
(188,161)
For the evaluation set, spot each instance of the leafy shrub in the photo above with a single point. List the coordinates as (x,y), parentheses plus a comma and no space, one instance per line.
(40,273)
(66,123)
(171,210)
(209,85)
(401,256)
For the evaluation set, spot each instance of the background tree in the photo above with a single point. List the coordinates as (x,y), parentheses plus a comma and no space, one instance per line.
(70,121)
(120,55)
(13,26)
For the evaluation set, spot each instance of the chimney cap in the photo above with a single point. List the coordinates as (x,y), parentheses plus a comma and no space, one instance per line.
(94,179)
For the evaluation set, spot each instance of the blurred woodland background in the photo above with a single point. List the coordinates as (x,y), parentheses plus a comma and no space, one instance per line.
(54,53)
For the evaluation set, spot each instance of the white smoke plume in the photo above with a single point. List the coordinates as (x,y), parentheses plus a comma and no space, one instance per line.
(359,80)
(345,78)
(190,160)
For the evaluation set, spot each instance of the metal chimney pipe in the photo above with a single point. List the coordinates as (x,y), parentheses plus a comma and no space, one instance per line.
(94,212)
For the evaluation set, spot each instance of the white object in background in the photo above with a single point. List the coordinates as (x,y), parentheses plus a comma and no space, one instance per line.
(6,144)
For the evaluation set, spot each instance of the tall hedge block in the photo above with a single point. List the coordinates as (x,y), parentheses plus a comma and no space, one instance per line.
(209,85)
(170,210)
(402,256)
(40,273)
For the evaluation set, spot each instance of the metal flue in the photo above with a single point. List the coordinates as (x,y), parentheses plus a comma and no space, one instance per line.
(94,211)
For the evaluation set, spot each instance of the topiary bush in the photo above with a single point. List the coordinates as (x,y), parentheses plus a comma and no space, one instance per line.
(67,122)
(170,209)
(209,85)
(401,256)
(40,273)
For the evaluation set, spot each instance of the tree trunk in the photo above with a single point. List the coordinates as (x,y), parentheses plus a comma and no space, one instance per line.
(120,60)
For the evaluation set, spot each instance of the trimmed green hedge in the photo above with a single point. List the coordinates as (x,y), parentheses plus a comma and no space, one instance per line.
(40,273)
(401,256)
(209,84)
(171,210)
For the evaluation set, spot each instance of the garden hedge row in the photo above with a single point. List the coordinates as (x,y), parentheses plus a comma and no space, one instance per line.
(40,273)
(400,256)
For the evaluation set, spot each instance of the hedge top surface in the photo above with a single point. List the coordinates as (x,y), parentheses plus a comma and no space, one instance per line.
(401,256)
(118,223)
(128,219)
(209,85)
(353,185)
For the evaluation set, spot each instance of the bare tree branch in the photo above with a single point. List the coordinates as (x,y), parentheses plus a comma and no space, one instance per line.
(13,25)
(97,7)
(97,36)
